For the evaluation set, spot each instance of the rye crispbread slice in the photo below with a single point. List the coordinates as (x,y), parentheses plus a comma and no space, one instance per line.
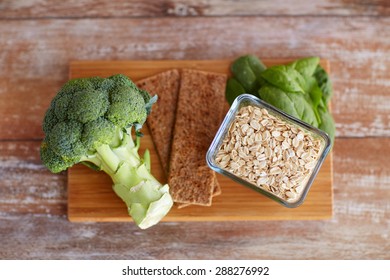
(199,112)
(216,191)
(162,118)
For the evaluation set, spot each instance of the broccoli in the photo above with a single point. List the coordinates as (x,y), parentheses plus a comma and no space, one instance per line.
(91,121)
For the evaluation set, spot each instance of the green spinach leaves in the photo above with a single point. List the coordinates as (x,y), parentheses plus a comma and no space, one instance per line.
(301,89)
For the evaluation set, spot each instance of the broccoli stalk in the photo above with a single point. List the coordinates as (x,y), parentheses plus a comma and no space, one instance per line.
(146,199)
(91,121)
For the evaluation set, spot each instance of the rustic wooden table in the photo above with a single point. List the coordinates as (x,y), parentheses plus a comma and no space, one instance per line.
(39,38)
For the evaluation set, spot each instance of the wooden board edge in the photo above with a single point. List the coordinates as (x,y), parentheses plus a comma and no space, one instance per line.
(76,219)
(76,64)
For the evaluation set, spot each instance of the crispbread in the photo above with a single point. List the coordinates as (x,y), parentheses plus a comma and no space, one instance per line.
(217,188)
(199,111)
(216,191)
(162,118)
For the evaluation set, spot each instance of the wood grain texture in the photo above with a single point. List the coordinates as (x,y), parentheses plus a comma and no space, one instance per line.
(179,8)
(35,56)
(359,228)
(90,196)
(25,185)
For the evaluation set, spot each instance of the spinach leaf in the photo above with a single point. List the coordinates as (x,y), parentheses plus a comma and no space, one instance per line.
(233,89)
(327,123)
(314,96)
(285,77)
(324,83)
(246,70)
(291,103)
(256,65)
(306,66)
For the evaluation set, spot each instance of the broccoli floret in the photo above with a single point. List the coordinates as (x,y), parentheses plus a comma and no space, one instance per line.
(53,161)
(98,132)
(90,121)
(50,120)
(127,108)
(97,101)
(65,140)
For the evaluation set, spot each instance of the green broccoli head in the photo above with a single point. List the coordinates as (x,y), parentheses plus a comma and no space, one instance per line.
(90,121)
(87,113)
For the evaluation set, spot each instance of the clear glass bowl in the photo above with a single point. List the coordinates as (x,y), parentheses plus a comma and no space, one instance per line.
(250,100)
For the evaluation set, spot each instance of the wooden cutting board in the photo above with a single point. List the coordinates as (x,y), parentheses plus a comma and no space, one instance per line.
(91,198)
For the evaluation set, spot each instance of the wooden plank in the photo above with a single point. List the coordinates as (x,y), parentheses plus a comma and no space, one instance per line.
(363,182)
(180,8)
(25,185)
(45,237)
(35,55)
(90,197)
(359,229)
